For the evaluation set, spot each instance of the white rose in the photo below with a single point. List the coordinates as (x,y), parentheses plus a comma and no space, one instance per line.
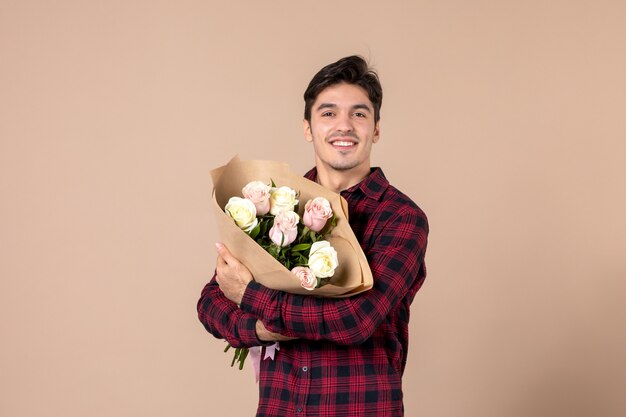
(306,276)
(243,212)
(323,259)
(282,199)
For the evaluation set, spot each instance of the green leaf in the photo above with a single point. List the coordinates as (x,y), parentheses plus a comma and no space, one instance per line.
(255,232)
(263,225)
(273,250)
(301,247)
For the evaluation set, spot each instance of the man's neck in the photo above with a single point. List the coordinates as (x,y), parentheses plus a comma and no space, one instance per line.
(338,181)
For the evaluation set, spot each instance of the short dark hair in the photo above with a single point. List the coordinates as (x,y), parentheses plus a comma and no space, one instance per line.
(352,70)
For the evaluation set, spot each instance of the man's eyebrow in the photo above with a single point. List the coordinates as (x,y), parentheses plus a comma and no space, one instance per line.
(360,106)
(326,106)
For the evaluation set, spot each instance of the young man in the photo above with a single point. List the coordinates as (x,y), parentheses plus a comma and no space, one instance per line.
(346,356)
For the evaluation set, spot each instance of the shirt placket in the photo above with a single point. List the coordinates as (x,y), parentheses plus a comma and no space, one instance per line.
(303,382)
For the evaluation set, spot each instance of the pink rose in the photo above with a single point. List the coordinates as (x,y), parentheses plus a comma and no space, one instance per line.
(285,228)
(316,213)
(259,194)
(306,276)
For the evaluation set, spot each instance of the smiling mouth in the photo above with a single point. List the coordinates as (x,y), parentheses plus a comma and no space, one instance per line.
(342,143)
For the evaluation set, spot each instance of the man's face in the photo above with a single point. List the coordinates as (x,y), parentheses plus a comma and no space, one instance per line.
(342,128)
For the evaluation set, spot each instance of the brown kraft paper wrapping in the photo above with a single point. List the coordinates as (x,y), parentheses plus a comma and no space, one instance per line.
(352,276)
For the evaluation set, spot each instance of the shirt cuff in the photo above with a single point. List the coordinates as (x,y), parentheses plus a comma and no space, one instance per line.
(247,331)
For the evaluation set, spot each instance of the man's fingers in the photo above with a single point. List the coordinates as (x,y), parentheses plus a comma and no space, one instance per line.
(220,265)
(220,262)
(224,253)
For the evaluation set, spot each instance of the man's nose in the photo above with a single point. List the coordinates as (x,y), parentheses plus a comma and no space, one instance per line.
(344,123)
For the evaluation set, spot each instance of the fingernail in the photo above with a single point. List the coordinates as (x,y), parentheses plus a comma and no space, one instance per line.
(218,245)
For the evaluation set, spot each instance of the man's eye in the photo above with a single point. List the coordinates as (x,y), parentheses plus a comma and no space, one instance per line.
(327,114)
(359,114)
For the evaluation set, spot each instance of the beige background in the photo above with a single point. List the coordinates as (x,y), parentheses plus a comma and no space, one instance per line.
(504,120)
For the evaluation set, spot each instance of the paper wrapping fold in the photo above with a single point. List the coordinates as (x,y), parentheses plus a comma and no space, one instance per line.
(353,274)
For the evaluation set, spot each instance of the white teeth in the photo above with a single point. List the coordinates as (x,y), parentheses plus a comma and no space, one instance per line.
(341,143)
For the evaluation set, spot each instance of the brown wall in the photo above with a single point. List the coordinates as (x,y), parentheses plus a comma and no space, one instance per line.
(504,120)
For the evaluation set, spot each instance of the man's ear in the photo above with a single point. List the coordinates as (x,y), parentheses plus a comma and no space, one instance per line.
(376,136)
(306,127)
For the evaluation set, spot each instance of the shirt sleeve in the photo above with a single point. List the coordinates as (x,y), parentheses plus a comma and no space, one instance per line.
(223,318)
(396,261)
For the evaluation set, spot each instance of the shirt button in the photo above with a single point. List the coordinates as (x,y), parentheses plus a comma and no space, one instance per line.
(299,409)
(305,368)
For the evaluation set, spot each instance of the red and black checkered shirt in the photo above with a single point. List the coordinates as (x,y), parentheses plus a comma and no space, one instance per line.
(351,352)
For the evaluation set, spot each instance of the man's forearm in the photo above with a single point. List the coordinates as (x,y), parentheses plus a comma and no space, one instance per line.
(224,320)
(265,335)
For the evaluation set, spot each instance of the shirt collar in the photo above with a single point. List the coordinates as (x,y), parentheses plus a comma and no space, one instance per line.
(373,186)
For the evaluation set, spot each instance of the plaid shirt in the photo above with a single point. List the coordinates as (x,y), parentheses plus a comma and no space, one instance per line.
(351,352)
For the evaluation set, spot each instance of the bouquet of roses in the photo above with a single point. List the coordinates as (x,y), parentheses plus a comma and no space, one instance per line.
(269,215)
(287,246)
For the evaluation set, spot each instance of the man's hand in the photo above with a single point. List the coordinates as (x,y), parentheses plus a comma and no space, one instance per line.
(232,276)
(265,335)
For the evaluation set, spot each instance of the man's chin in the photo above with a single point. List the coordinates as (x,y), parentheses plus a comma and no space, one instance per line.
(344,166)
